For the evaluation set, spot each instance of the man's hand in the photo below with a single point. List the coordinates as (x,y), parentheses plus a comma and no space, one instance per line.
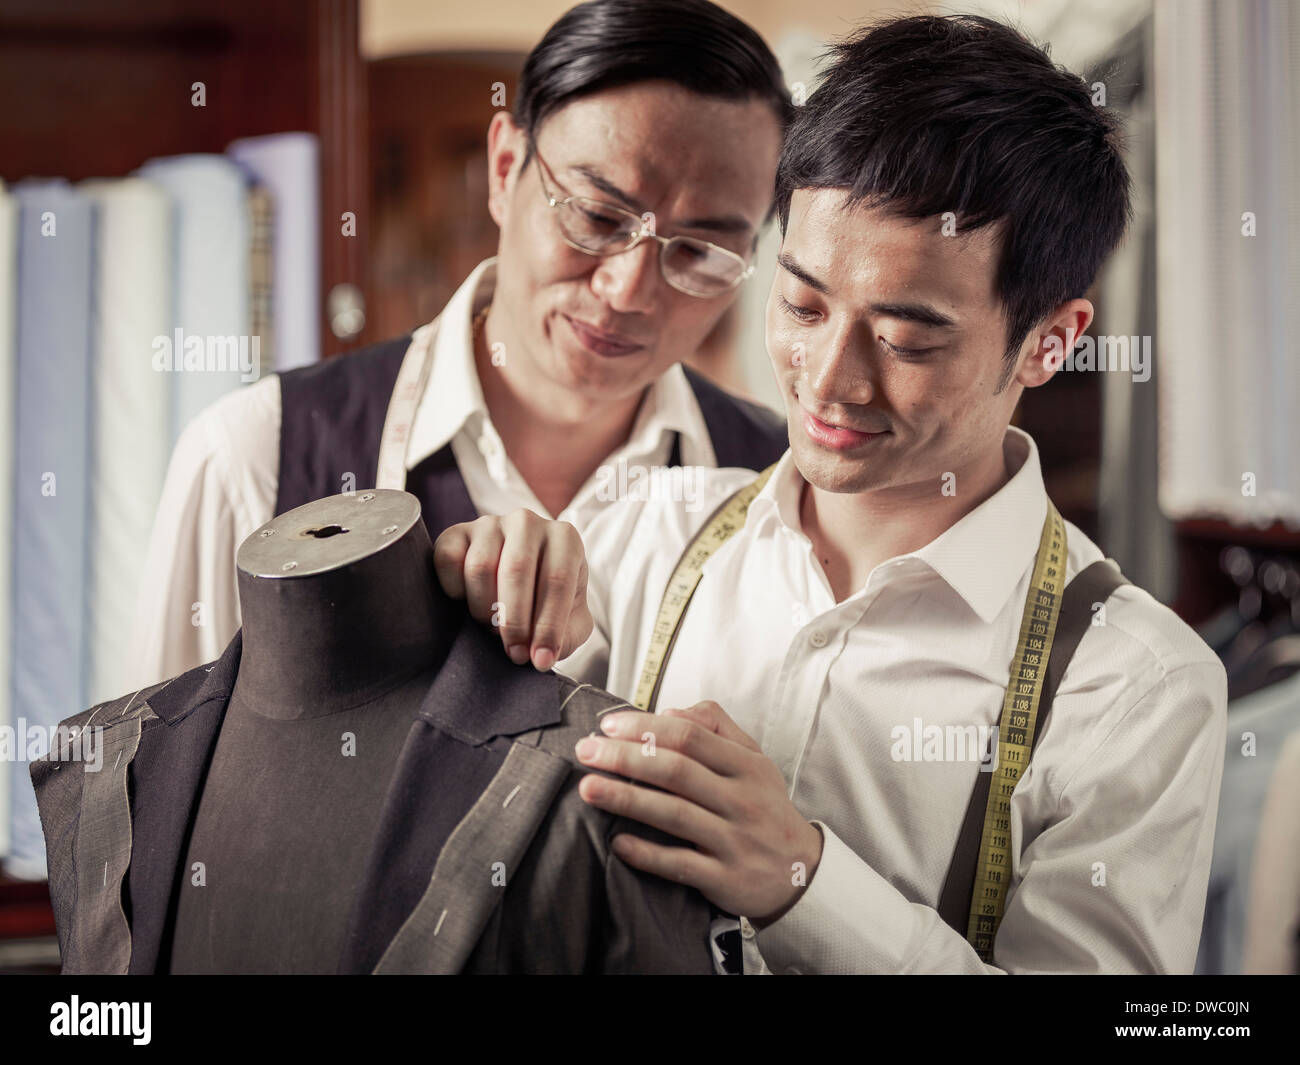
(523,574)
(754,852)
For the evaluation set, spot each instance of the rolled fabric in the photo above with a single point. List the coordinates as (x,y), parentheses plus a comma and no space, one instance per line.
(211,290)
(51,487)
(131,409)
(8,330)
(288,164)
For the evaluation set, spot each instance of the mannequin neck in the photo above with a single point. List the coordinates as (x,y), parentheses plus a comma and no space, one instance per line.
(317,644)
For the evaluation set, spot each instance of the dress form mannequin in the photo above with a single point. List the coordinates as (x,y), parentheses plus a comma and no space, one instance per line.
(344,625)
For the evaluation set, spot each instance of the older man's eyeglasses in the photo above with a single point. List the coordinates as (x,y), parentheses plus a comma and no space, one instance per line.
(695,267)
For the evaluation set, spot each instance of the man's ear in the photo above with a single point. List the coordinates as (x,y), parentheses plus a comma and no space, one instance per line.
(506,147)
(1051,341)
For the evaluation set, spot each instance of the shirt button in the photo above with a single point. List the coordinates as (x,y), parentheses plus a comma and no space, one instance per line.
(817,639)
(746,929)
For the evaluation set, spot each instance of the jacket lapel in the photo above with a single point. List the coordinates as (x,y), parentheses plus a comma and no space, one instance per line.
(463,797)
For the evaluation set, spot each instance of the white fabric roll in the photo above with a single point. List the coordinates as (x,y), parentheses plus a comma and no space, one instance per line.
(211,286)
(8,330)
(289,165)
(131,409)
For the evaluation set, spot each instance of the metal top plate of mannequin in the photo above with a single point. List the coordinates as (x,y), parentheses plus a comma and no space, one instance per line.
(328,534)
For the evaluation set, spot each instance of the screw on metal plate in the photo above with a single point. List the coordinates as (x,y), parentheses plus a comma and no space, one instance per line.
(367,497)
(289,565)
(390,529)
(267,532)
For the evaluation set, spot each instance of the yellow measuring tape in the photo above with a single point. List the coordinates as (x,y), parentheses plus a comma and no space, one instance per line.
(1016,732)
(724,521)
(1019,708)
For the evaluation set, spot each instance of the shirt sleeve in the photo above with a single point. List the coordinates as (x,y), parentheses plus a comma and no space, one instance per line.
(220,486)
(1115,882)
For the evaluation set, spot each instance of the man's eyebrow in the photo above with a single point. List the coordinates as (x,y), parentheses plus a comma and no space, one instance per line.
(732,223)
(921,313)
(787,263)
(601,182)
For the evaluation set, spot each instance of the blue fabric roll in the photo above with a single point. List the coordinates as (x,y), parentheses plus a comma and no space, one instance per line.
(213,232)
(55,254)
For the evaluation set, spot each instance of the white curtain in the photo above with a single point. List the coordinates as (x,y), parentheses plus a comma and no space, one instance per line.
(1227,96)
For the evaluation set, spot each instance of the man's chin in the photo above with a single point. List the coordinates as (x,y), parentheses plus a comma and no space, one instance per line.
(829,472)
(601,376)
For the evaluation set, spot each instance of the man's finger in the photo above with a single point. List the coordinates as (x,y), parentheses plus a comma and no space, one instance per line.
(449,559)
(661,767)
(524,535)
(480,570)
(711,716)
(562,621)
(668,813)
(677,733)
(681,865)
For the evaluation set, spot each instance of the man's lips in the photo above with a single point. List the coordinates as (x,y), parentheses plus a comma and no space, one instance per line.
(835,436)
(601,341)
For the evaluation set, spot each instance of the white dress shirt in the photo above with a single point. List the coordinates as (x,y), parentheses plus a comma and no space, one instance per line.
(1112,824)
(224,474)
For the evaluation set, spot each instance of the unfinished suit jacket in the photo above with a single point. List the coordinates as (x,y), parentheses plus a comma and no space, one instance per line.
(487,774)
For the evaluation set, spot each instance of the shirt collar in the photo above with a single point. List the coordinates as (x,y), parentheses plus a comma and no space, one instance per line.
(670,406)
(454,395)
(982,556)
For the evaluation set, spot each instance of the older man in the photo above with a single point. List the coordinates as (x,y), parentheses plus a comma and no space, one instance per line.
(630,186)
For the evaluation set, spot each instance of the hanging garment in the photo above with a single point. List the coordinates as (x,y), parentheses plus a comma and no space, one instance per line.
(428,902)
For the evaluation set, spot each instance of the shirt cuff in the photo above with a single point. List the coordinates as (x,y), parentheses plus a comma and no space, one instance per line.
(849,919)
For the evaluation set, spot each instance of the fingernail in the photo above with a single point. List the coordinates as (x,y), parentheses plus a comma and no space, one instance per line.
(518,653)
(587,748)
(544,659)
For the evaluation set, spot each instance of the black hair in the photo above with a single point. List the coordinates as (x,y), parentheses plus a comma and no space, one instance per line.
(929,114)
(605,44)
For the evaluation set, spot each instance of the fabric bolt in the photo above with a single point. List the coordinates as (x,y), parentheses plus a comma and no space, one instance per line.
(8,329)
(845,696)
(261,266)
(224,477)
(51,472)
(211,290)
(288,164)
(131,408)
(1258,727)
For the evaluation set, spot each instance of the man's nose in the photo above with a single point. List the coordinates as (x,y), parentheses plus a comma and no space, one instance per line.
(837,371)
(629,281)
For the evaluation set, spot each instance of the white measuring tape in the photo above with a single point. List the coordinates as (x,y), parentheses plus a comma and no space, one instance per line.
(412,379)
